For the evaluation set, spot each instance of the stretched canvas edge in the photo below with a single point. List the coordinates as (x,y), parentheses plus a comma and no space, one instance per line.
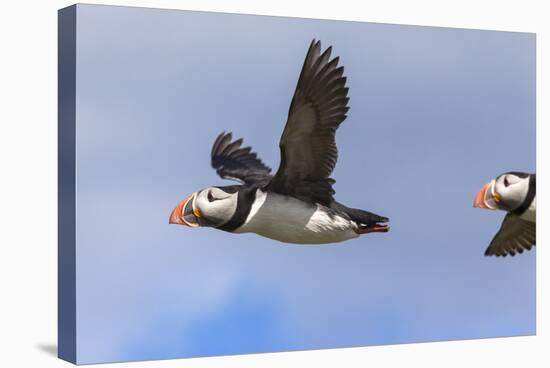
(66,134)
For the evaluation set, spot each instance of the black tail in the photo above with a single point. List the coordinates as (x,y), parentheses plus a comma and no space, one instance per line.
(359,216)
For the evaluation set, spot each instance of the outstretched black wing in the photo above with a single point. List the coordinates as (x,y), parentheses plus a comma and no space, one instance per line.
(513,237)
(232,161)
(308,146)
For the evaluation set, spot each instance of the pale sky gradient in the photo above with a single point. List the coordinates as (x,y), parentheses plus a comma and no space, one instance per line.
(435,113)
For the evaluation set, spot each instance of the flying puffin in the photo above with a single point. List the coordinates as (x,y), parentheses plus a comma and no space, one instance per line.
(515,193)
(296,205)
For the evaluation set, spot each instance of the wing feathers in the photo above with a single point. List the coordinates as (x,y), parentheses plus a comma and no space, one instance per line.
(308,146)
(233,162)
(514,236)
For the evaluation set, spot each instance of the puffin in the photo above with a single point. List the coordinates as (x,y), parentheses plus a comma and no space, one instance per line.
(516,193)
(296,204)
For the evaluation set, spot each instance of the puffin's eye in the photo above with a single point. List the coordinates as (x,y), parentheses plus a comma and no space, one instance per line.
(506,182)
(210,197)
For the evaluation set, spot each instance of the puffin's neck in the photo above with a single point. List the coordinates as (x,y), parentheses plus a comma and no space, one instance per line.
(529,198)
(245,200)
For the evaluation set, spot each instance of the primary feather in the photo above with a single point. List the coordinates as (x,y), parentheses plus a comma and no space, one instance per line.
(514,236)
(308,145)
(232,161)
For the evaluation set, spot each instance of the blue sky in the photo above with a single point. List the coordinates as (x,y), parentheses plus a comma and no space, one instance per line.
(435,113)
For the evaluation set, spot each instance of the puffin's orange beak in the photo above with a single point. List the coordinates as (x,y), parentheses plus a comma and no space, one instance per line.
(184,214)
(485,198)
(176,217)
(479,201)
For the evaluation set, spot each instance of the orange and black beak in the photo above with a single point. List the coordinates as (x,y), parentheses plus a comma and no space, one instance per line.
(487,197)
(186,213)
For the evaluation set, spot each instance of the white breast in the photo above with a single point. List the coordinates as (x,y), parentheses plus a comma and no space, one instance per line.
(531,213)
(290,220)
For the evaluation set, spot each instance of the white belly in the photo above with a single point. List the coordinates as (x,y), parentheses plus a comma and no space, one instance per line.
(531,213)
(290,220)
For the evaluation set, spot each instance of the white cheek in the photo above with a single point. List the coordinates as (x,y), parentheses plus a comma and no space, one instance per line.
(500,188)
(219,211)
(515,192)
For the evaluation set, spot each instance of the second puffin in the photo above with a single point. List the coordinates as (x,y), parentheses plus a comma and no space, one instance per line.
(295,205)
